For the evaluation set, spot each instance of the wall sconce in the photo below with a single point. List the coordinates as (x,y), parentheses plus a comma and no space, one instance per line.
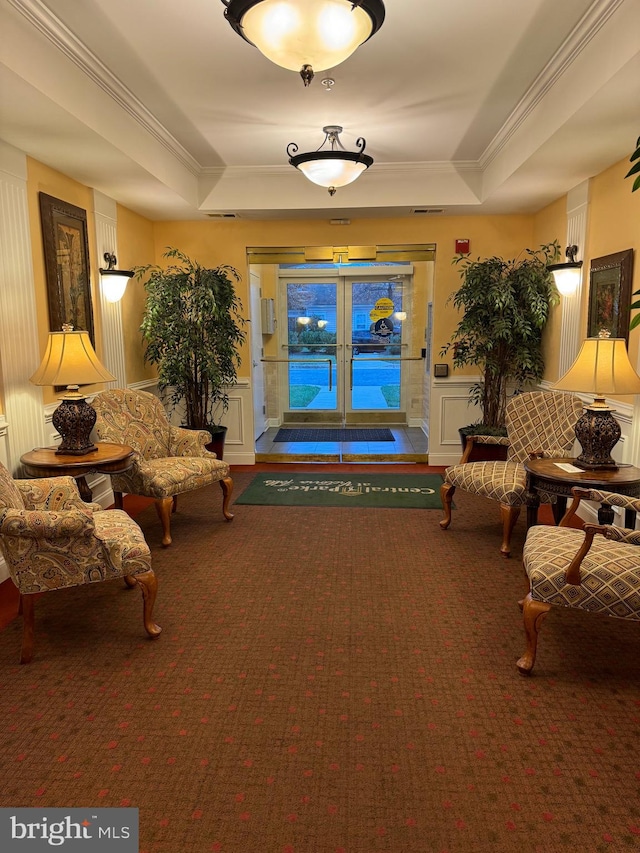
(322,323)
(304,321)
(114,282)
(567,275)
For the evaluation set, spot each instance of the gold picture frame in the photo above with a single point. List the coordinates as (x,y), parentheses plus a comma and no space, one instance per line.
(66,262)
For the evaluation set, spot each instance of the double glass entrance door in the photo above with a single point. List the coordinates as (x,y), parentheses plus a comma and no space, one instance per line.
(346,343)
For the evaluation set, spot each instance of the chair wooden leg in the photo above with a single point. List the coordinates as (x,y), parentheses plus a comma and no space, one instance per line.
(509,516)
(118,500)
(130,581)
(148,583)
(534,614)
(227,487)
(163,508)
(28,627)
(446,496)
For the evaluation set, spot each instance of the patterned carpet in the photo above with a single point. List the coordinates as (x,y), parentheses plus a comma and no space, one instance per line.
(328,681)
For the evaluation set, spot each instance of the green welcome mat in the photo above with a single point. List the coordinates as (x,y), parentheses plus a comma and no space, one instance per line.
(402,491)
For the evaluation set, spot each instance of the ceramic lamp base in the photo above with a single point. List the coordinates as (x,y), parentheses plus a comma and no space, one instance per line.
(74,419)
(598,432)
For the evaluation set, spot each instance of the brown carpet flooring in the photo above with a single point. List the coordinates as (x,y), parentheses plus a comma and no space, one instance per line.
(328,681)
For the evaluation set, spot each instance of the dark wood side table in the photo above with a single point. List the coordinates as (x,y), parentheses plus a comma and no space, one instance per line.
(107,459)
(545,475)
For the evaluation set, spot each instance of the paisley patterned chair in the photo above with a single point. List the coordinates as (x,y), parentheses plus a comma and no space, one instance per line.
(538,422)
(596,569)
(168,460)
(50,539)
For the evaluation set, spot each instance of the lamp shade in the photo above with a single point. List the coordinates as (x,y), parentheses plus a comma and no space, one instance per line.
(305,34)
(70,360)
(602,367)
(331,170)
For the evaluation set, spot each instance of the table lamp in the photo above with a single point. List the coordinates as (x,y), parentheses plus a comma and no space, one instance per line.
(71,360)
(601,368)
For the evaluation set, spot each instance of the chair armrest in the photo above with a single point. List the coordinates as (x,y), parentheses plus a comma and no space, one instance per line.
(572,575)
(36,524)
(599,496)
(51,493)
(188,442)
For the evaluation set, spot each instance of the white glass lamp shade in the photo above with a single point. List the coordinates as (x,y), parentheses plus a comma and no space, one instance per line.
(567,279)
(114,285)
(601,368)
(332,171)
(70,360)
(294,33)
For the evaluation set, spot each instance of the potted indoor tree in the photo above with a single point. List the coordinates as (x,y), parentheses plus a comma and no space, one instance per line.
(192,328)
(505,306)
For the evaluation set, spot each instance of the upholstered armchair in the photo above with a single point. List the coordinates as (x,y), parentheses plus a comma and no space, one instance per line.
(540,422)
(596,569)
(51,539)
(168,460)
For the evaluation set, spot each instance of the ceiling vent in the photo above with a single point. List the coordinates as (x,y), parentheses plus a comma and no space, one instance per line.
(222,215)
(427,210)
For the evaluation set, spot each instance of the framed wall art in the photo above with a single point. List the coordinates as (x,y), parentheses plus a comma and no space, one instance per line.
(66,262)
(610,294)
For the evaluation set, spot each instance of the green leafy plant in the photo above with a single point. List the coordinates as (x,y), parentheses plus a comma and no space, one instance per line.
(192,327)
(505,305)
(635,170)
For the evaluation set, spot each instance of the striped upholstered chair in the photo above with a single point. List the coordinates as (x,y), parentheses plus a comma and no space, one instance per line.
(168,460)
(51,539)
(538,422)
(596,569)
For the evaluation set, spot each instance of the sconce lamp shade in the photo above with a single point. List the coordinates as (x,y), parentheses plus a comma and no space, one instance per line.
(114,282)
(71,360)
(601,368)
(567,275)
(305,35)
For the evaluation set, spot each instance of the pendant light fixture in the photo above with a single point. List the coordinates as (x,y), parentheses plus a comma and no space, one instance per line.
(305,35)
(334,166)
(567,275)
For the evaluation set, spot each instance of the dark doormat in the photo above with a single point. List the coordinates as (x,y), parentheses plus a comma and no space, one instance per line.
(398,491)
(349,434)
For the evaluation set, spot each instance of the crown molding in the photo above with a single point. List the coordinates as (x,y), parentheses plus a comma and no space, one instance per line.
(441,167)
(40,17)
(591,23)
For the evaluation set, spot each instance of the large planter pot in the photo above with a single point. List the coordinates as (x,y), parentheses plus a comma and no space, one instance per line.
(218,435)
(483,452)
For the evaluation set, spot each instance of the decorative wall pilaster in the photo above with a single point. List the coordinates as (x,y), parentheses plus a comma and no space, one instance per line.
(572,334)
(19,346)
(105,212)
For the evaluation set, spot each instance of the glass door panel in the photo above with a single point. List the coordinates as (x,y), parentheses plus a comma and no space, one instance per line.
(343,348)
(312,314)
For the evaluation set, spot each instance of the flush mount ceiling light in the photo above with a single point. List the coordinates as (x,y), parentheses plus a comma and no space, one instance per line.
(305,35)
(567,275)
(334,166)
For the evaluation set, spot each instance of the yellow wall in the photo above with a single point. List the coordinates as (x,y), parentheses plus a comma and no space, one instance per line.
(614,225)
(551,224)
(135,249)
(41,178)
(213,243)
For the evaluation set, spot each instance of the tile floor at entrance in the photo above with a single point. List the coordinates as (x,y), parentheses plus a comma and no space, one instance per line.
(409,445)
